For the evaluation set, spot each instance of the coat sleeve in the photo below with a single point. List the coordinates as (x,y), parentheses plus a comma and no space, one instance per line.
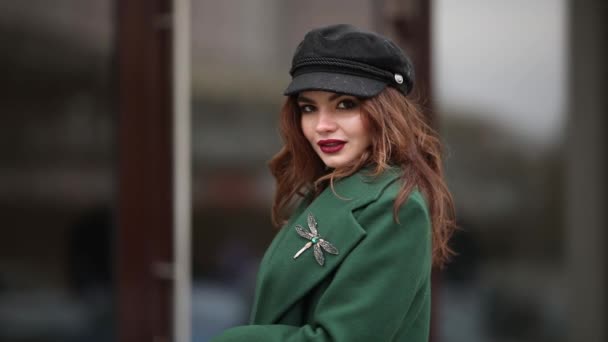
(376,291)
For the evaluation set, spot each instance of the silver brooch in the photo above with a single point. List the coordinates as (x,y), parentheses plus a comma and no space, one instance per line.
(315,240)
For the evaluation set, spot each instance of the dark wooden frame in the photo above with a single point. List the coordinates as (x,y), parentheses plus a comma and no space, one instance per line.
(145,204)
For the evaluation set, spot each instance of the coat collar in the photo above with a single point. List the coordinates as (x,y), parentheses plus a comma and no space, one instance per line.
(283,280)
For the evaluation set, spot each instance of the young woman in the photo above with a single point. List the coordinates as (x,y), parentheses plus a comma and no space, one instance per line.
(361,202)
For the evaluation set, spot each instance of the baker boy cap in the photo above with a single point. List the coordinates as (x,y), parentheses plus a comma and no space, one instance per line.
(347,60)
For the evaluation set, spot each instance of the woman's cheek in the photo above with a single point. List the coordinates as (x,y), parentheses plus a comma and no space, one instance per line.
(307,128)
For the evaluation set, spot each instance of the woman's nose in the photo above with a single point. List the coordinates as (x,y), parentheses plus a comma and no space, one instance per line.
(326,122)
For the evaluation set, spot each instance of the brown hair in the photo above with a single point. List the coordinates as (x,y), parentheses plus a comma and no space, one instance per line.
(400,137)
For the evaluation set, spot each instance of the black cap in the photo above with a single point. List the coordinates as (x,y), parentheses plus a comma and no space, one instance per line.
(347,60)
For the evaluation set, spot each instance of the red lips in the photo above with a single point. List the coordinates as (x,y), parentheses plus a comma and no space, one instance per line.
(331,145)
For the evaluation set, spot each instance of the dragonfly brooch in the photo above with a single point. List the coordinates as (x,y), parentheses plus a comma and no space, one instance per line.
(315,240)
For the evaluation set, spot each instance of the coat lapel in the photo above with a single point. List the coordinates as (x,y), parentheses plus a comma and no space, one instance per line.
(283,280)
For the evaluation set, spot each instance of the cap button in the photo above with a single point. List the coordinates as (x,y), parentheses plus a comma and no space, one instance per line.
(398,78)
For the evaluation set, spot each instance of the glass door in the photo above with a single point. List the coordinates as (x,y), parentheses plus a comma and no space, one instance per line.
(57,173)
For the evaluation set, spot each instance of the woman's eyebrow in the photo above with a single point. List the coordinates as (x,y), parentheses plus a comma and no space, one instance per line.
(335,96)
(331,98)
(305,99)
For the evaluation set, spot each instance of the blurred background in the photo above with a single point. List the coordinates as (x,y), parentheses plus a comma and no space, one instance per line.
(89,125)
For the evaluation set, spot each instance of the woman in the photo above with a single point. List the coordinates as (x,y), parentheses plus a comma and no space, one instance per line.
(352,261)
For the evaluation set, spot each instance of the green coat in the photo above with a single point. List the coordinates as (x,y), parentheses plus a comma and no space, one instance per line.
(376,289)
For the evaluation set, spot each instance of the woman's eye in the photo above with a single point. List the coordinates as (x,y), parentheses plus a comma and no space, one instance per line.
(307,108)
(347,104)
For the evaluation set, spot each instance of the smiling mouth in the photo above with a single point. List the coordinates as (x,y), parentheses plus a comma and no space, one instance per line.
(331,145)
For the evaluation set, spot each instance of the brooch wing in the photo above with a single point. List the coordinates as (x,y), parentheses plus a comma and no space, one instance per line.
(303,232)
(312,224)
(319,254)
(328,247)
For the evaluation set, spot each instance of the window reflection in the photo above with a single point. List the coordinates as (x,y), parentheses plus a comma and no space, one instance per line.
(501,100)
(57,180)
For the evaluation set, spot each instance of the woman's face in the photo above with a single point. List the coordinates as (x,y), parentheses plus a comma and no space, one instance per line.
(334,126)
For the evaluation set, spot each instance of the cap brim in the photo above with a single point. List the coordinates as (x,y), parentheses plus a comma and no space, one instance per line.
(337,83)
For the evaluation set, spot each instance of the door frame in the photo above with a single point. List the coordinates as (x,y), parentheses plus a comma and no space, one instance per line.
(144,249)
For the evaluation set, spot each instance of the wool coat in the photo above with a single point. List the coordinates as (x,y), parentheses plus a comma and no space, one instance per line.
(377,286)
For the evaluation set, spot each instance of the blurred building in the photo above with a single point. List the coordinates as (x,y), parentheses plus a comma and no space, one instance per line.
(90,165)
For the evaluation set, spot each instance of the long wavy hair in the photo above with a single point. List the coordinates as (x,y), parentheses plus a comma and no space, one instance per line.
(400,137)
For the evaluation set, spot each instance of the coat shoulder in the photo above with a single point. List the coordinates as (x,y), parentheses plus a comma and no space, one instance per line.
(364,187)
(385,189)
